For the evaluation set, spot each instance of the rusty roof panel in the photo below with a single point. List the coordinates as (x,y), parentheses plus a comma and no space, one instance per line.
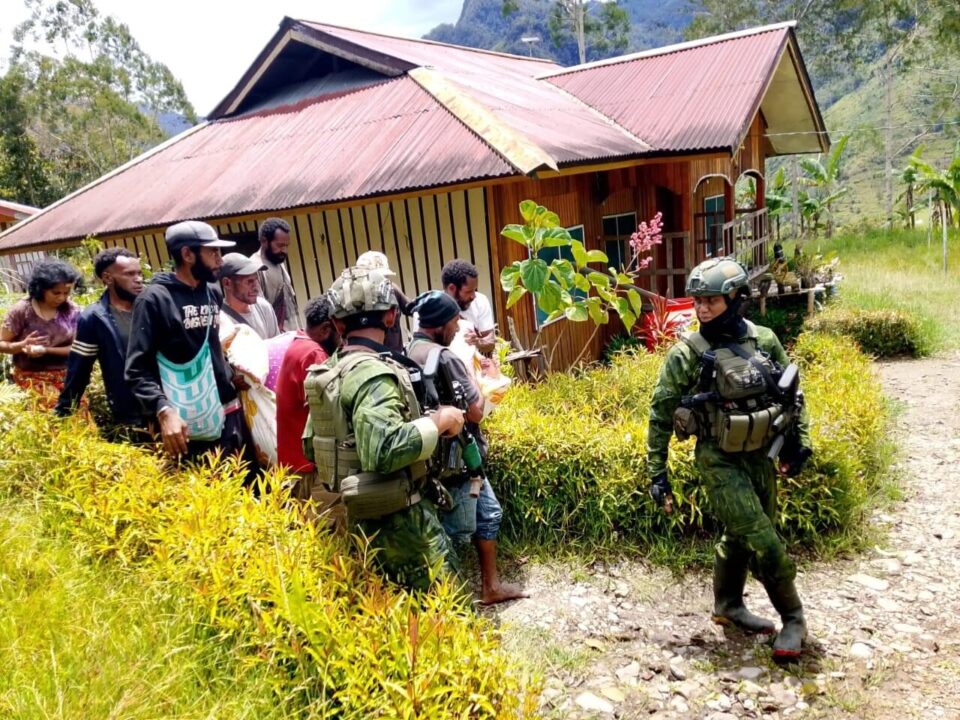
(698,97)
(382,139)
(564,127)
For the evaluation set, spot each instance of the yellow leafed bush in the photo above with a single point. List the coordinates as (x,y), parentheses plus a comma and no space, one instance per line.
(568,457)
(339,641)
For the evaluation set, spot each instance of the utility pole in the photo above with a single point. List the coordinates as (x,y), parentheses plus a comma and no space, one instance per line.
(888,144)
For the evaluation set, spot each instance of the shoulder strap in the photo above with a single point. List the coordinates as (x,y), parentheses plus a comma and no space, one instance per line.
(697,342)
(233,314)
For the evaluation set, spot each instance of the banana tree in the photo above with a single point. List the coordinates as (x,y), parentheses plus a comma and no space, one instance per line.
(778,200)
(823,176)
(945,186)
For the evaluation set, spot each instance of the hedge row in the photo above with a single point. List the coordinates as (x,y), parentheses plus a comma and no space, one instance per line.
(881,333)
(336,639)
(567,457)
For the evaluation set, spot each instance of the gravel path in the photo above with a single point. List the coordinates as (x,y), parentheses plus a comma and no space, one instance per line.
(631,641)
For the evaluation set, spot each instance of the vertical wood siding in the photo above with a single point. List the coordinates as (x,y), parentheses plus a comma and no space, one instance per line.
(418,235)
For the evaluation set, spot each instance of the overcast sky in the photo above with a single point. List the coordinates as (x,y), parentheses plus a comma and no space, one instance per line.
(208,44)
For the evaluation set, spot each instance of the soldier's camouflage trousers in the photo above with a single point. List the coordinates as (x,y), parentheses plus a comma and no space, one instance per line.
(742,492)
(410,544)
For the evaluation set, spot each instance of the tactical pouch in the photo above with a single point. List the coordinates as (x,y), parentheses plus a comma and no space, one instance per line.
(737,378)
(686,424)
(745,432)
(370,496)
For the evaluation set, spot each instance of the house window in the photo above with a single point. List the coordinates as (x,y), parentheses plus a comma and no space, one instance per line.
(550,254)
(617,230)
(713,224)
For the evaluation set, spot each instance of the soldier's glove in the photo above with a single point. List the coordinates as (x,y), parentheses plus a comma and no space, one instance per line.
(661,491)
(792,464)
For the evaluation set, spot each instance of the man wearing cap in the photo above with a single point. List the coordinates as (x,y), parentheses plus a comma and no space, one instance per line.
(175,365)
(241,296)
(275,281)
(476,513)
(373,260)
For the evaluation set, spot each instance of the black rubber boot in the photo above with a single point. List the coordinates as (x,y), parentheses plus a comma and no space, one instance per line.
(729,577)
(789,643)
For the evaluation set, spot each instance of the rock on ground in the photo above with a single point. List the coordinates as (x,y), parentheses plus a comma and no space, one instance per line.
(631,641)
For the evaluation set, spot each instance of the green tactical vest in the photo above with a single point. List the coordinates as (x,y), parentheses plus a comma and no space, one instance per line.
(746,417)
(329,435)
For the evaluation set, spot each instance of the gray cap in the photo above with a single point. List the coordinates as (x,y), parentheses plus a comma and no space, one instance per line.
(194,232)
(236,264)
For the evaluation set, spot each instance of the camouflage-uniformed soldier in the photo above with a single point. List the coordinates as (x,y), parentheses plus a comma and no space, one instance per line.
(372,446)
(704,389)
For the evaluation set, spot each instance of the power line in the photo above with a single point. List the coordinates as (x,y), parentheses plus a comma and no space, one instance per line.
(865,128)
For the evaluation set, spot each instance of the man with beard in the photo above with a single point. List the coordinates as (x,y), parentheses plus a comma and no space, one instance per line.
(730,384)
(241,297)
(103,333)
(275,281)
(459,279)
(175,365)
(309,348)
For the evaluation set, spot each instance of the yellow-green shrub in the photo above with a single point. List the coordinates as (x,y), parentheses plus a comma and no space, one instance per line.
(883,333)
(339,641)
(567,457)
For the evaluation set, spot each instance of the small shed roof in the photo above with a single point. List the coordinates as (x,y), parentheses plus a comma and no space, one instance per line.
(328,114)
(11,211)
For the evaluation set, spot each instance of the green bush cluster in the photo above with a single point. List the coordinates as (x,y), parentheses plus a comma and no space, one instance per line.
(882,333)
(336,640)
(567,458)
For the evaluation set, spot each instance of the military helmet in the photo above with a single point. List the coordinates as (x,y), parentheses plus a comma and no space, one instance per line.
(361,290)
(717,276)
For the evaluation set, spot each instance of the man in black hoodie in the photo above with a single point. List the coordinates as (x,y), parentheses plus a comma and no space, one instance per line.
(175,365)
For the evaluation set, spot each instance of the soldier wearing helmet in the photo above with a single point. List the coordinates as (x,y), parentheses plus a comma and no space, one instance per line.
(731,385)
(369,437)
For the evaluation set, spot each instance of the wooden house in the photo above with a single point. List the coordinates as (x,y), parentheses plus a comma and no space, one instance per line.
(15,267)
(424,151)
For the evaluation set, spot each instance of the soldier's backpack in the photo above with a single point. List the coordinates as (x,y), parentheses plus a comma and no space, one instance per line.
(329,440)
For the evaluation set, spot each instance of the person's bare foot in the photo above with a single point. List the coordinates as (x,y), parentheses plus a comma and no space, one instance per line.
(502,593)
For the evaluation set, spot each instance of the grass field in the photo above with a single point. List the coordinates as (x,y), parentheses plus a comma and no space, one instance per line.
(79,639)
(899,270)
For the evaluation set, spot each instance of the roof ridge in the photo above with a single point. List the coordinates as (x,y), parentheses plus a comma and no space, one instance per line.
(103,178)
(518,150)
(425,41)
(670,49)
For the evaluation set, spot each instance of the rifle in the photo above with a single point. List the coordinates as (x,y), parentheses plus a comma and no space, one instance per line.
(464,451)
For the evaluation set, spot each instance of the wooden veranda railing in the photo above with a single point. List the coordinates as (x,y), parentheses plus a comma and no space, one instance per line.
(746,239)
(669,264)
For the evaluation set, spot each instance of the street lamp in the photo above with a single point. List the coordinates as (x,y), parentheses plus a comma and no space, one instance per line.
(529,41)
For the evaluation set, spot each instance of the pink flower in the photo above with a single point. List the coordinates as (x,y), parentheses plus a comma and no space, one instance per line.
(645,238)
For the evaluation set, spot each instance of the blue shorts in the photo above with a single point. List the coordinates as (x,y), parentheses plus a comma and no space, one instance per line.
(473,517)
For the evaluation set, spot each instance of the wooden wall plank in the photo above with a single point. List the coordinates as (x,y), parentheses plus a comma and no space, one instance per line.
(418,246)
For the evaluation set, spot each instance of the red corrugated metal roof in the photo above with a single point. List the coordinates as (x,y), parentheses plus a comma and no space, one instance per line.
(564,127)
(383,139)
(453,59)
(698,97)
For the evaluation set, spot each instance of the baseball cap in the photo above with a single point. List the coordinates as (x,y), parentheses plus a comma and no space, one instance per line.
(194,232)
(236,264)
(374,260)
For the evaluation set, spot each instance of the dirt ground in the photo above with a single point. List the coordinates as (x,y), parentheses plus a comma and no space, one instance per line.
(631,641)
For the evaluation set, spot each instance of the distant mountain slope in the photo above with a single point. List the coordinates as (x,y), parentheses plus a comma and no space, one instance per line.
(861,110)
(481,24)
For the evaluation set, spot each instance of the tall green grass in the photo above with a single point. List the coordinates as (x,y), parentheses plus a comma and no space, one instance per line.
(84,640)
(898,270)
